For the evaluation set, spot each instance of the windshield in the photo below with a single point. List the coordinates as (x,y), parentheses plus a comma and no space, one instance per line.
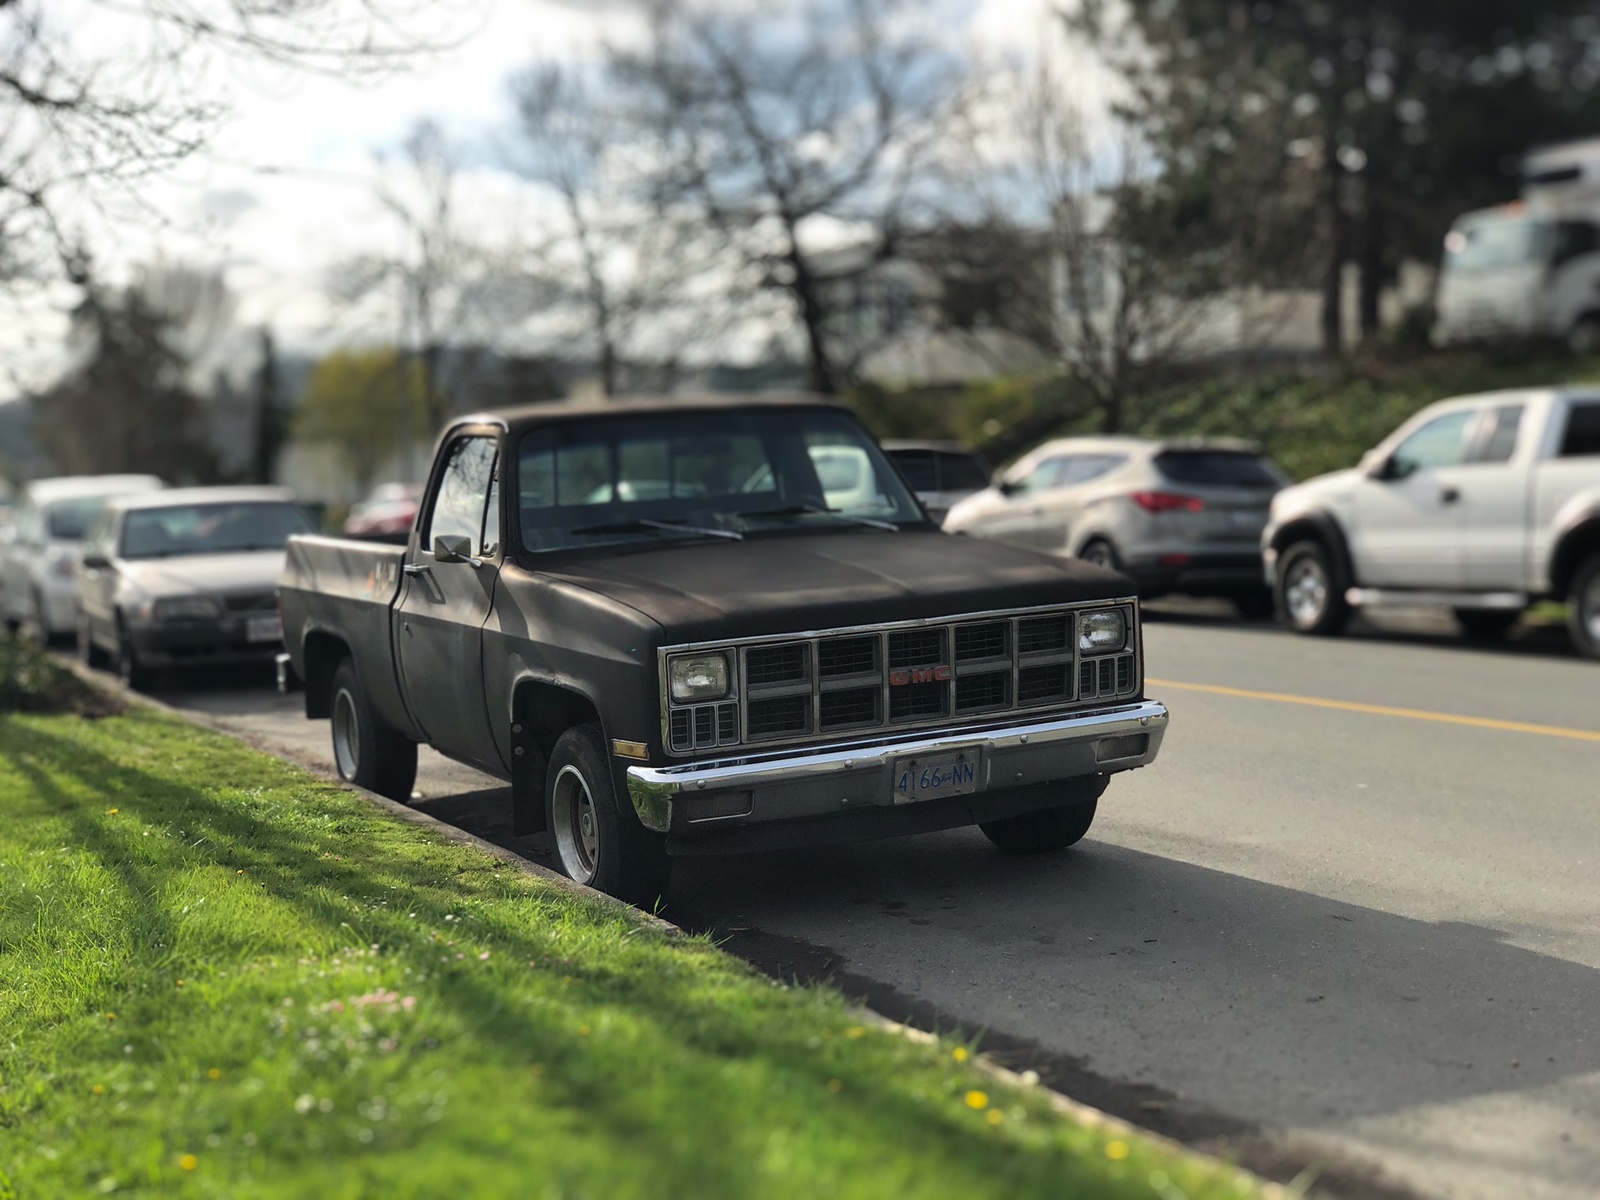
(1489,243)
(630,478)
(941,470)
(69,520)
(210,529)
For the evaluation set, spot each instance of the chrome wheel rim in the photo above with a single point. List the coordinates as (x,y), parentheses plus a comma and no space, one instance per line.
(1305,592)
(346,735)
(577,825)
(1099,555)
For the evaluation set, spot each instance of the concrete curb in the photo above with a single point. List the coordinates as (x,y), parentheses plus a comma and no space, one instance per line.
(1082,1114)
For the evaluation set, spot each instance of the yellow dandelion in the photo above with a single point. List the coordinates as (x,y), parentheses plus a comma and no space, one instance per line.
(111,812)
(978,1100)
(855,1031)
(111,1016)
(99,1089)
(1117,1151)
(835,1086)
(584,1031)
(188,1162)
(180,983)
(960,1054)
(995,1116)
(214,1073)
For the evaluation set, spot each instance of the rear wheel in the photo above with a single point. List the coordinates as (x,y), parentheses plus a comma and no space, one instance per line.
(597,842)
(1099,553)
(1486,624)
(1049,829)
(1308,592)
(367,752)
(1583,607)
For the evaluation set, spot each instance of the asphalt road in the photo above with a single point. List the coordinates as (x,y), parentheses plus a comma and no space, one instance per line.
(1338,935)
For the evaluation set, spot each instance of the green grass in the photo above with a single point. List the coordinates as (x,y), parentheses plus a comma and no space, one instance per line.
(221,977)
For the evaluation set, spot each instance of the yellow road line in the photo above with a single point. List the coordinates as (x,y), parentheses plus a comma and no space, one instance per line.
(1383,710)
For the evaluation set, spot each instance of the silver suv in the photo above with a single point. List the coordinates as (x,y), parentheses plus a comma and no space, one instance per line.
(1178,516)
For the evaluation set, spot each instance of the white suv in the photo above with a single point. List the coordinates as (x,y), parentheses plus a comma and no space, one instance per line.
(1481,504)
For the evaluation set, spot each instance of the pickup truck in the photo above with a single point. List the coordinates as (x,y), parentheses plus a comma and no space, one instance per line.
(660,624)
(1482,504)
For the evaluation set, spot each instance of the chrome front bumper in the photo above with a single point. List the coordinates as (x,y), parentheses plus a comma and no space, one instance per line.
(798,784)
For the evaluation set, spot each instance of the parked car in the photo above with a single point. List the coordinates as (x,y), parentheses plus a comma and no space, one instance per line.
(1482,504)
(723,669)
(387,513)
(39,561)
(185,578)
(942,474)
(1178,516)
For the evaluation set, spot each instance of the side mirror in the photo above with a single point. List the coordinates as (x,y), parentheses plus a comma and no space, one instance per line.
(454,548)
(1376,465)
(95,561)
(1008,487)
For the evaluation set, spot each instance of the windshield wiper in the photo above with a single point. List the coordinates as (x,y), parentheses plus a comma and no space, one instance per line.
(805,510)
(642,524)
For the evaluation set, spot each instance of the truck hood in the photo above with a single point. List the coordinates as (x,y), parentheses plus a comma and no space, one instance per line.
(778,585)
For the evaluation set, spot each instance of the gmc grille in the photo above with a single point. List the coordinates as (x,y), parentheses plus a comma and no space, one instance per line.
(790,690)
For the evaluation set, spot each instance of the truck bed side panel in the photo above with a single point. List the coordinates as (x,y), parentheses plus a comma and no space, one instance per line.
(347,589)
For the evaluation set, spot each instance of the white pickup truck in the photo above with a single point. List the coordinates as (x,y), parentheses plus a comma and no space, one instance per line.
(1482,504)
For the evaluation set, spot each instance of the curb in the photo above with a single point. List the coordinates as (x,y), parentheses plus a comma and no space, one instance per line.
(1082,1114)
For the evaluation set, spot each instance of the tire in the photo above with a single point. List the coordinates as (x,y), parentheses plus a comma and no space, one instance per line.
(135,676)
(1049,829)
(89,654)
(1583,339)
(598,843)
(1256,605)
(1100,553)
(1308,591)
(1486,624)
(367,752)
(1583,607)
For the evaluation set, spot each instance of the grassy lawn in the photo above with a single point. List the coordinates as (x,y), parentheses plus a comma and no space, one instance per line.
(222,977)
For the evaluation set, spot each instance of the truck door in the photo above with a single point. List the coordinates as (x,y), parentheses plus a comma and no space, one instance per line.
(443,606)
(1494,505)
(1408,526)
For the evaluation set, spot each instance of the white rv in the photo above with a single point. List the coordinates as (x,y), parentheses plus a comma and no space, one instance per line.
(1530,268)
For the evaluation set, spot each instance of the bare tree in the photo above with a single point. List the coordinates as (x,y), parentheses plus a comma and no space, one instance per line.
(95,102)
(772,121)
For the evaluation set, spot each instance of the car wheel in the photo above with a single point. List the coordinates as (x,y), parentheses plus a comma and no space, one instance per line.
(1584,337)
(133,674)
(1255,605)
(597,842)
(1583,607)
(1099,553)
(1308,592)
(89,654)
(1050,829)
(367,752)
(1486,624)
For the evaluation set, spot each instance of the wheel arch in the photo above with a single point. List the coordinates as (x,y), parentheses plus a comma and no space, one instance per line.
(1323,528)
(1572,549)
(323,652)
(541,711)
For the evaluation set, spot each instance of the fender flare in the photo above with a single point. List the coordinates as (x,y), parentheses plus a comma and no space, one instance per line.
(1578,536)
(1325,528)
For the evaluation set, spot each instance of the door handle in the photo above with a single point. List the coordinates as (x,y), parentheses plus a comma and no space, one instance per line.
(1449,495)
(415,568)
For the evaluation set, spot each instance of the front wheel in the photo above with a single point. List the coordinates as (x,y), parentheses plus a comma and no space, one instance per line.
(1050,829)
(597,843)
(89,654)
(1583,607)
(1099,553)
(367,752)
(132,673)
(1308,592)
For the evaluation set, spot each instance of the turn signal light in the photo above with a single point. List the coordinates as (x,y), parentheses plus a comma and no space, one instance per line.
(1160,502)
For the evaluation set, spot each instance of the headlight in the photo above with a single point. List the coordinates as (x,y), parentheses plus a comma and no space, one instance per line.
(1102,632)
(182,608)
(699,677)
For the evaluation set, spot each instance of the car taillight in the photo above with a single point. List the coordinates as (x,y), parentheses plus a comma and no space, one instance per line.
(1160,502)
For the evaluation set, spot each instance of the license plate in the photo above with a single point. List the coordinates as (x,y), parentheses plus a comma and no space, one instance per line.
(936,775)
(263,629)
(1247,518)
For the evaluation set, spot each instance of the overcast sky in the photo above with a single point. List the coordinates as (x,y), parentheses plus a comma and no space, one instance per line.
(287,187)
